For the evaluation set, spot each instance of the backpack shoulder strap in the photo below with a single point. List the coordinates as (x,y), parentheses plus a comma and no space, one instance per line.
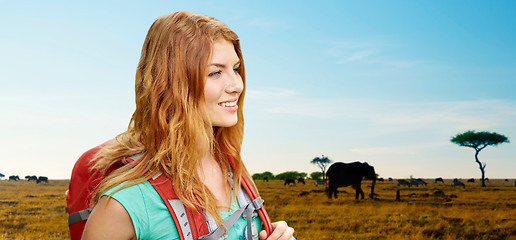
(247,209)
(193,223)
(190,223)
(248,187)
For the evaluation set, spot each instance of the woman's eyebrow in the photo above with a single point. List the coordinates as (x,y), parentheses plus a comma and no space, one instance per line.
(224,65)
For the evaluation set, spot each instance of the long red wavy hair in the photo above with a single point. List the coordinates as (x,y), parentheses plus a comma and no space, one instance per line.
(170,125)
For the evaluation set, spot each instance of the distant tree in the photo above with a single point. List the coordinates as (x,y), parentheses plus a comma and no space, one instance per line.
(257,176)
(268,175)
(322,163)
(303,175)
(479,141)
(1,175)
(289,175)
(316,175)
(263,175)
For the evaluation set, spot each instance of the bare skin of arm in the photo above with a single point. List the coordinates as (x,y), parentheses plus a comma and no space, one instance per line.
(109,220)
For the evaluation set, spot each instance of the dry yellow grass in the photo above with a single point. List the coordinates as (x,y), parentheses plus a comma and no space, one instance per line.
(36,211)
(33,211)
(475,212)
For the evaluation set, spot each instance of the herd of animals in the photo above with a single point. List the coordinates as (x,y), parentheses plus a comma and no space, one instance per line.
(351,174)
(29,178)
(338,175)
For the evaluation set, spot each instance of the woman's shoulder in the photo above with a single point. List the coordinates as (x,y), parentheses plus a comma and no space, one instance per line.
(128,189)
(149,214)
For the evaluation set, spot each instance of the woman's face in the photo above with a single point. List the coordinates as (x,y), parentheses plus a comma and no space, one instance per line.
(223,85)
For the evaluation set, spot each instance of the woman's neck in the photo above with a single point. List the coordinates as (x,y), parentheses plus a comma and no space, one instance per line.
(214,179)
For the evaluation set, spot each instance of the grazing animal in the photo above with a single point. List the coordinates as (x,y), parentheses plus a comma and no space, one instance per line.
(31,178)
(456,182)
(506,180)
(421,182)
(380,179)
(288,181)
(487,180)
(344,174)
(266,179)
(304,193)
(320,182)
(301,180)
(471,180)
(390,179)
(14,178)
(417,182)
(413,182)
(42,179)
(403,183)
(439,193)
(439,180)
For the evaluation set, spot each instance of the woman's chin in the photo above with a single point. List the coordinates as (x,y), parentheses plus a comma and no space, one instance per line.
(227,123)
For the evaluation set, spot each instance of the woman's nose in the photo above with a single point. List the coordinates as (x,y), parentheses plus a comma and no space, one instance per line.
(235,84)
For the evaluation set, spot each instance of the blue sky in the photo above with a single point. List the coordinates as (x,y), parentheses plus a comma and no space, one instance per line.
(387,82)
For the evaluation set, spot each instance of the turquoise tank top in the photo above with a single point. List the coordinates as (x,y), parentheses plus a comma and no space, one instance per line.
(151,218)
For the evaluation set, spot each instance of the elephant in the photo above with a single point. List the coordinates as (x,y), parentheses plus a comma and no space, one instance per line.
(344,174)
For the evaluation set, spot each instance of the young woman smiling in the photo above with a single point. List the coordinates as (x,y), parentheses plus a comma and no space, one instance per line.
(187,126)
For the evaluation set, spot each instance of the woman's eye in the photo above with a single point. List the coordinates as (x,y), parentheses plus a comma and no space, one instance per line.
(217,73)
(236,70)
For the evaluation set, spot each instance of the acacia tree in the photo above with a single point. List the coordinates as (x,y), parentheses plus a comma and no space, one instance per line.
(479,141)
(322,162)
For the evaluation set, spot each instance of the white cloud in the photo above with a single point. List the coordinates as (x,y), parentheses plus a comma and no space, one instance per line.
(368,52)
(390,116)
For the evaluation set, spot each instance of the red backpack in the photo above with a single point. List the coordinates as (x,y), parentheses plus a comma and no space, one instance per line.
(190,223)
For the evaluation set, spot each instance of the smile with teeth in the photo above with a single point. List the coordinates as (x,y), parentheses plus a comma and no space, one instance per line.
(228,104)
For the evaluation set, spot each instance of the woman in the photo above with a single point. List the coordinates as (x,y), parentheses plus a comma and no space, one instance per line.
(188,123)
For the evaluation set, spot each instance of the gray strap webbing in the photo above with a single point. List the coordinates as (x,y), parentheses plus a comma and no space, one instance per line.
(79,216)
(212,224)
(219,232)
(248,210)
(179,210)
(244,199)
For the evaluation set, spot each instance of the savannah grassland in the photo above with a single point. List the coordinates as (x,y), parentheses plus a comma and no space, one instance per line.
(36,211)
